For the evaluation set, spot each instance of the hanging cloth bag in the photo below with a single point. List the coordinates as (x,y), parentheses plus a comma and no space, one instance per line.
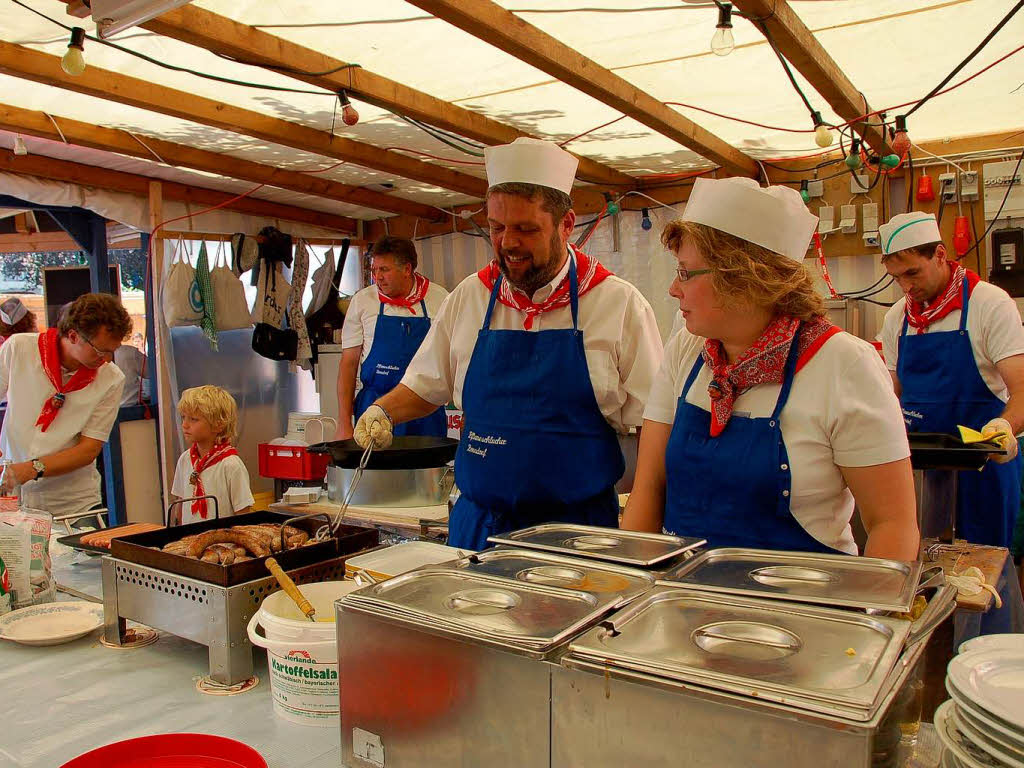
(182,304)
(208,322)
(228,295)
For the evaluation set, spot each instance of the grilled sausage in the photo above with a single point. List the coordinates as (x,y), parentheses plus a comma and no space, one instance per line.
(230,536)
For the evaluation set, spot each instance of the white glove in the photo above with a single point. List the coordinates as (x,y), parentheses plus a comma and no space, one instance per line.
(374,425)
(1007,441)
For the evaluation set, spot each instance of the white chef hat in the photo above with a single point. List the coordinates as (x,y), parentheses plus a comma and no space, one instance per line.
(908,230)
(12,310)
(773,217)
(531,161)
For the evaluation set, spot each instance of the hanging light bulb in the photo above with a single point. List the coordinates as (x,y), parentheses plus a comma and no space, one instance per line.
(722,42)
(645,220)
(853,161)
(891,161)
(612,208)
(805,195)
(19,146)
(822,135)
(901,141)
(73,61)
(348,112)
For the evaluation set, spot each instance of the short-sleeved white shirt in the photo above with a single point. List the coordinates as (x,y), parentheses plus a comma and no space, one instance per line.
(228,480)
(841,412)
(88,412)
(993,326)
(620,338)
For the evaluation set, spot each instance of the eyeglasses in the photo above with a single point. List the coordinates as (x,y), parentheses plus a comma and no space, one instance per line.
(99,352)
(685,275)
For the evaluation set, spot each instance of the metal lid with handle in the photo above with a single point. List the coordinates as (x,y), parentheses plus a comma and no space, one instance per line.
(612,545)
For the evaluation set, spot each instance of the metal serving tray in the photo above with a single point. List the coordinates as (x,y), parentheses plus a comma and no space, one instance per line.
(937,450)
(831,580)
(553,570)
(144,548)
(782,652)
(609,544)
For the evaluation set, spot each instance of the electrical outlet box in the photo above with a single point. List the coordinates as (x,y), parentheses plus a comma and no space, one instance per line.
(848,219)
(871,240)
(826,219)
(968,185)
(869,217)
(947,187)
(815,188)
(859,183)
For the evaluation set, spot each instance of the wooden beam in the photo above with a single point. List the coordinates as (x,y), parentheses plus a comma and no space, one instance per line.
(45,242)
(166,407)
(210,31)
(21,223)
(114,140)
(798,44)
(493,24)
(30,64)
(92,176)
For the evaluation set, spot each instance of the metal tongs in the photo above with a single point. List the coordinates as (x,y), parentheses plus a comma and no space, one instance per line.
(340,518)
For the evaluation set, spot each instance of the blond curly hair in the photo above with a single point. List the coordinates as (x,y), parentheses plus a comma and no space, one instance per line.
(747,274)
(214,405)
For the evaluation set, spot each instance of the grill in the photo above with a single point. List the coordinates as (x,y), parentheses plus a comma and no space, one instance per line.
(207,603)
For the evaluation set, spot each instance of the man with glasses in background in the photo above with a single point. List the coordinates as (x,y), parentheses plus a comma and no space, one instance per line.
(62,400)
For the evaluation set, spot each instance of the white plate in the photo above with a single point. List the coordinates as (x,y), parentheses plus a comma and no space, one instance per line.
(1000,730)
(994,680)
(1011,642)
(51,623)
(977,733)
(966,752)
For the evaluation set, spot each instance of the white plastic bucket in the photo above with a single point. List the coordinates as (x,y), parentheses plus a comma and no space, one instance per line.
(302,655)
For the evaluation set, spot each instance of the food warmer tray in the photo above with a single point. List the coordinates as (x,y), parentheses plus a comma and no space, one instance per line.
(613,545)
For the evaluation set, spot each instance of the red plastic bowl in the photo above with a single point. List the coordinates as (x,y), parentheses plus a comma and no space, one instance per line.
(172,750)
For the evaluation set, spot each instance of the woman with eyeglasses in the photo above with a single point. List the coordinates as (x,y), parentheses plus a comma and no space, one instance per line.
(766,424)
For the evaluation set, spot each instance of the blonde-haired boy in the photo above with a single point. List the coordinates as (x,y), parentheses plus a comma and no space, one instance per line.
(211,466)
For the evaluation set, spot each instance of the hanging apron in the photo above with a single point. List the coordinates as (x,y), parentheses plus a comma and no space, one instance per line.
(395,341)
(535,446)
(733,490)
(942,388)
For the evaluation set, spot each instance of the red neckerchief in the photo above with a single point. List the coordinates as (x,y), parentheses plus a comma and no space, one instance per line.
(419,290)
(589,272)
(216,455)
(49,354)
(952,298)
(763,363)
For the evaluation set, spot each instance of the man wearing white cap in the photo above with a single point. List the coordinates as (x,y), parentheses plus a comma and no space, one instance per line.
(766,424)
(15,318)
(547,353)
(954,346)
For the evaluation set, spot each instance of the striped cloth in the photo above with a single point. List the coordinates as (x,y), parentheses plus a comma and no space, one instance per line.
(202,283)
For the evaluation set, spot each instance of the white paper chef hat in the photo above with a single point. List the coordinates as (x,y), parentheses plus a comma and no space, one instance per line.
(772,217)
(12,310)
(531,161)
(907,230)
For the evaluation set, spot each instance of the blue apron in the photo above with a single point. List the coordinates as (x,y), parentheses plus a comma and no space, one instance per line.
(734,489)
(942,388)
(395,341)
(535,447)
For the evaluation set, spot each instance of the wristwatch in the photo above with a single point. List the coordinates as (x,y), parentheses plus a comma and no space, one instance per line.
(39,467)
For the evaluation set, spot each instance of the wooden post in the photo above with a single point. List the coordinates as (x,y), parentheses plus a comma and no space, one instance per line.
(166,407)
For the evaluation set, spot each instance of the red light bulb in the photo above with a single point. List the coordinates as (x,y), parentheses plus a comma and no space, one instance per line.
(348,112)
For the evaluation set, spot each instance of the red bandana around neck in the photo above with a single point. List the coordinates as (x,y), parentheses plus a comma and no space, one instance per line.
(763,363)
(49,354)
(921,316)
(419,290)
(589,271)
(217,454)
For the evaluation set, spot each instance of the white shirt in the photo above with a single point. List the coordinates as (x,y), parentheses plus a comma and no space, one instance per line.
(228,480)
(620,337)
(993,326)
(841,412)
(132,363)
(363,310)
(89,412)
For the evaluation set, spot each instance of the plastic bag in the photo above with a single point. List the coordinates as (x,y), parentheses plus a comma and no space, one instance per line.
(182,303)
(5,589)
(16,555)
(36,524)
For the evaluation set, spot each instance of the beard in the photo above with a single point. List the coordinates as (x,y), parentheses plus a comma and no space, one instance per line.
(535,276)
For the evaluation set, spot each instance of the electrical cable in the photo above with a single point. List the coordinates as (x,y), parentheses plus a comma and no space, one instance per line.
(286,69)
(785,65)
(967,60)
(974,229)
(1013,178)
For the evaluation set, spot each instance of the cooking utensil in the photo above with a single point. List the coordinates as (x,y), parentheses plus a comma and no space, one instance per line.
(305,607)
(937,450)
(406,452)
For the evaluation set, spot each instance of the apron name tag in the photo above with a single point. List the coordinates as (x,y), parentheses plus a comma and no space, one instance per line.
(487,439)
(385,370)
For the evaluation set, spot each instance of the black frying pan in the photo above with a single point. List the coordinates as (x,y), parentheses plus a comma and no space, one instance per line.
(412,452)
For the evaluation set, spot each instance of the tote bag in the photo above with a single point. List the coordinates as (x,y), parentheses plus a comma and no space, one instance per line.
(228,295)
(182,302)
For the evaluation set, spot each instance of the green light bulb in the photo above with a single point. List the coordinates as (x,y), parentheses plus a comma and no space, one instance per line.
(891,161)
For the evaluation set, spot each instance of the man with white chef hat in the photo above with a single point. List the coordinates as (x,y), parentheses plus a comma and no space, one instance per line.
(547,353)
(954,346)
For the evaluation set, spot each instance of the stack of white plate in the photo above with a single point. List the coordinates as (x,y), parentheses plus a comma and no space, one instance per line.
(982,726)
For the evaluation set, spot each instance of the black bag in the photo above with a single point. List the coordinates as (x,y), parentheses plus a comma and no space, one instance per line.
(275,343)
(321,324)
